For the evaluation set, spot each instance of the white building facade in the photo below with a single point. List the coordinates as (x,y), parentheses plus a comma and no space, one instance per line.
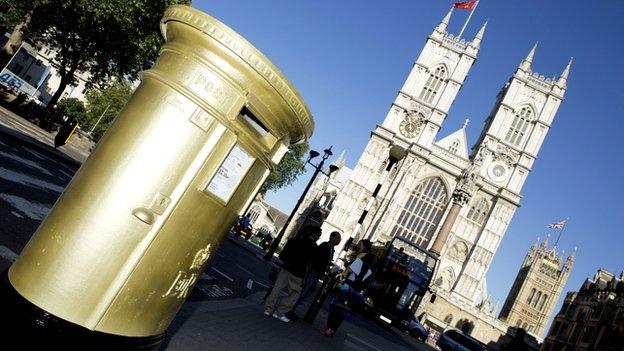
(320,198)
(414,200)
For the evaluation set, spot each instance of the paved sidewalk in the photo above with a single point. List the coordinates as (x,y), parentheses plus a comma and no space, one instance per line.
(75,151)
(239,324)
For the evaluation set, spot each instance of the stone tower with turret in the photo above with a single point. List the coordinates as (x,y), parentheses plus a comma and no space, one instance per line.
(537,287)
(440,194)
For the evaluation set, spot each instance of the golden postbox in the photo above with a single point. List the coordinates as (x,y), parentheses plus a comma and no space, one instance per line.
(129,237)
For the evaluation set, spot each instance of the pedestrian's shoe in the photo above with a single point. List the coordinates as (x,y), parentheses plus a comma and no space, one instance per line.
(267,313)
(281,318)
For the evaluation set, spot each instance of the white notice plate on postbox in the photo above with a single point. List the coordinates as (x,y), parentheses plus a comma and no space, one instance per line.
(230,173)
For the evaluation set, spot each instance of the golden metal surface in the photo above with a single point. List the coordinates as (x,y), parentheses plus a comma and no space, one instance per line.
(130,235)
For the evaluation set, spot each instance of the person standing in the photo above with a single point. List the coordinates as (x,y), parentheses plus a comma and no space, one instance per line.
(320,265)
(297,258)
(358,274)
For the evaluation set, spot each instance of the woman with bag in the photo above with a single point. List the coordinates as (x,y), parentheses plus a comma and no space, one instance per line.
(350,292)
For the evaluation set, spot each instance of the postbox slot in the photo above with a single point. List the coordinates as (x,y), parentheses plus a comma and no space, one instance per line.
(253,121)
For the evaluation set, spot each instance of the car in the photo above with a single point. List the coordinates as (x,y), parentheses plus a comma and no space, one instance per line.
(414,328)
(455,340)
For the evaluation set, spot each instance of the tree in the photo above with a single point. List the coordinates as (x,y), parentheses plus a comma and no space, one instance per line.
(105,103)
(290,167)
(16,18)
(104,38)
(73,108)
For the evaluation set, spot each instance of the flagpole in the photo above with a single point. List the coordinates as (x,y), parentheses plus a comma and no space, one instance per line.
(561,231)
(468,19)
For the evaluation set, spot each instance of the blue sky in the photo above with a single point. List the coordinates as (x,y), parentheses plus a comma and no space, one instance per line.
(349,58)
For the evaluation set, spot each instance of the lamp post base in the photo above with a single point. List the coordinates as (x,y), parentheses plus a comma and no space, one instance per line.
(29,327)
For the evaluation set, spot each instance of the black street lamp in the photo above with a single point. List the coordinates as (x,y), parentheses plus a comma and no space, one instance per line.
(318,168)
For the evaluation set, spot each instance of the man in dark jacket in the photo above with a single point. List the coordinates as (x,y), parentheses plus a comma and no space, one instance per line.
(321,263)
(297,258)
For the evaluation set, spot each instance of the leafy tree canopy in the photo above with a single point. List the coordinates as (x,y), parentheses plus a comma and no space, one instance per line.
(104,38)
(11,12)
(73,108)
(105,103)
(290,167)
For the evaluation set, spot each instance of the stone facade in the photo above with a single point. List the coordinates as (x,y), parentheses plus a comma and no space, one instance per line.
(536,289)
(320,198)
(446,312)
(414,197)
(592,318)
(266,218)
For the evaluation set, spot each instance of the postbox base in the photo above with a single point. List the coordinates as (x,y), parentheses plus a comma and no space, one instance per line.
(27,326)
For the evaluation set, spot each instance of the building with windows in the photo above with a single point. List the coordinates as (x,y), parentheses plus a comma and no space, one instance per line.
(592,318)
(440,190)
(31,71)
(537,287)
(320,198)
(266,218)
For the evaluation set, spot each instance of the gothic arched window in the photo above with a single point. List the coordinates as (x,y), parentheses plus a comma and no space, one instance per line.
(478,210)
(454,146)
(531,296)
(520,126)
(383,166)
(422,212)
(448,319)
(541,303)
(537,298)
(433,84)
(254,213)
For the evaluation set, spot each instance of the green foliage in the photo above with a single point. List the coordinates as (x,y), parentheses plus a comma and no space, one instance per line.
(73,108)
(290,167)
(11,12)
(106,103)
(104,38)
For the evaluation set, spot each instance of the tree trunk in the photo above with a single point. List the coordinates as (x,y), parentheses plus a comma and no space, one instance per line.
(59,91)
(15,39)
(54,115)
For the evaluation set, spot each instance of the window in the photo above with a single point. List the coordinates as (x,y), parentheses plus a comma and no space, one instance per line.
(531,296)
(433,85)
(541,303)
(17,69)
(562,331)
(587,335)
(454,146)
(478,210)
(254,213)
(382,167)
(448,319)
(422,212)
(536,300)
(555,328)
(520,126)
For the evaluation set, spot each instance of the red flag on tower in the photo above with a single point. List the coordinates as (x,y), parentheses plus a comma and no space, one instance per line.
(466,5)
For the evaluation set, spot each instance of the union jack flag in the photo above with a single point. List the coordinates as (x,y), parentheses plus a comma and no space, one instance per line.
(557,225)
